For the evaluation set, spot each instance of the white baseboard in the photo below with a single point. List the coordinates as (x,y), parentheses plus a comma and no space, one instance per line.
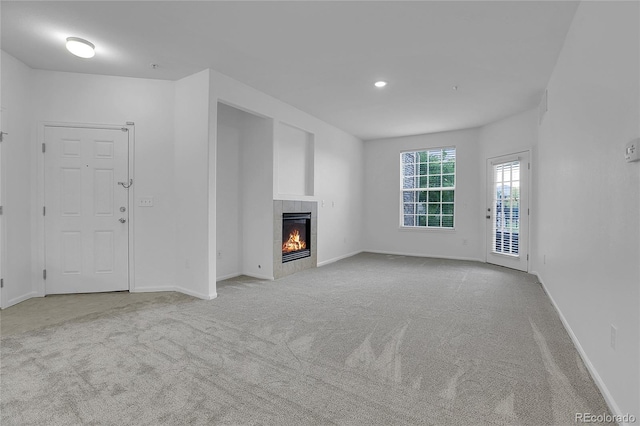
(174,288)
(196,294)
(238,274)
(152,289)
(259,277)
(228,276)
(19,299)
(615,410)
(395,253)
(335,259)
(24,297)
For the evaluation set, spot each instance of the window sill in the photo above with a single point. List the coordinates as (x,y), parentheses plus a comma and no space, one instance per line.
(425,229)
(507,255)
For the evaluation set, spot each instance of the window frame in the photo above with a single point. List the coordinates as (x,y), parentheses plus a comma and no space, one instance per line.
(401,202)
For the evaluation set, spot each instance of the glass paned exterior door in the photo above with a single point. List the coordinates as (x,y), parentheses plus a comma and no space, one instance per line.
(507,211)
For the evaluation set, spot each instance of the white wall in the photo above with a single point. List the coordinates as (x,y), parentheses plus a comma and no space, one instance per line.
(17,152)
(589,196)
(244,211)
(382,199)
(228,182)
(191,153)
(339,183)
(256,164)
(516,133)
(294,163)
(84,98)
(338,168)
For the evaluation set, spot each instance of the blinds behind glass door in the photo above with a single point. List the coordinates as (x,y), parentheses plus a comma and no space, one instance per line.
(506,207)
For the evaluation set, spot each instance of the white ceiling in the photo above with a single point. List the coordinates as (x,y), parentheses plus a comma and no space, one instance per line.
(321,57)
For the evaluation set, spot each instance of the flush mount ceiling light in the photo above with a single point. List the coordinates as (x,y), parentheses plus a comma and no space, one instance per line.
(380,84)
(80,47)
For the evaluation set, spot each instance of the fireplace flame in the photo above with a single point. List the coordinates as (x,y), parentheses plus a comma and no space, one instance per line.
(293,243)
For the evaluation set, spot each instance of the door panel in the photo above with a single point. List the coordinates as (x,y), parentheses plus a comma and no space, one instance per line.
(3,122)
(86,243)
(508,211)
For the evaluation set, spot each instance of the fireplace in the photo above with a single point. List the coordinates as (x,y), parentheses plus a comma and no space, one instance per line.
(289,216)
(296,236)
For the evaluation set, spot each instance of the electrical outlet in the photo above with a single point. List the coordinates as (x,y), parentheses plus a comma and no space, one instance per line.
(631,151)
(614,333)
(145,202)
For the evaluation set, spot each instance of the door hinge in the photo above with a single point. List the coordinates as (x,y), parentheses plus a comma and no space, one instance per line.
(44,274)
(124,129)
(1,282)
(527,257)
(0,210)
(528,166)
(528,212)
(44,210)
(2,136)
(43,147)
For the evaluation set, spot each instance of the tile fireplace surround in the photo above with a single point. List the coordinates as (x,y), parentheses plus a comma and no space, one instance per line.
(289,206)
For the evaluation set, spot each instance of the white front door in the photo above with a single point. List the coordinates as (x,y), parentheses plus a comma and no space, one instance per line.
(86,210)
(3,130)
(507,211)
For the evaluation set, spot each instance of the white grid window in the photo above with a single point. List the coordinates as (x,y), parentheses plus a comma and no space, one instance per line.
(427,186)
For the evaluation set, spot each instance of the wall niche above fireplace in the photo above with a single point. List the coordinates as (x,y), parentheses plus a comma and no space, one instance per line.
(295,233)
(295,160)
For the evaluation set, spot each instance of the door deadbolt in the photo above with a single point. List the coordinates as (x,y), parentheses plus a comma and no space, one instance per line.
(123,209)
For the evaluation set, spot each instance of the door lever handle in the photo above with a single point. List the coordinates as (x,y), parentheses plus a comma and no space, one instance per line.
(122,220)
(125,185)
(488,217)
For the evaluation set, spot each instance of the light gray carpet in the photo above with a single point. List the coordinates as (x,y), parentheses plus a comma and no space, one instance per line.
(370,340)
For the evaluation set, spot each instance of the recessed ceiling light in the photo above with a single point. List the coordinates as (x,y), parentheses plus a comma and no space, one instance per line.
(380,84)
(455,87)
(80,47)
